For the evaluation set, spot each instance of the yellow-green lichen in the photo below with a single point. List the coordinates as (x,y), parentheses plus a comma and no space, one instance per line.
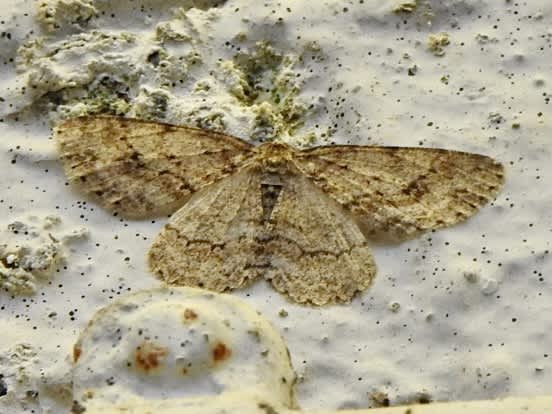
(255,71)
(484,39)
(205,118)
(96,105)
(55,14)
(182,28)
(234,79)
(173,30)
(267,122)
(151,104)
(202,86)
(173,69)
(423,10)
(406,7)
(306,141)
(241,37)
(264,81)
(437,42)
(313,46)
(36,53)
(70,76)
(30,252)
(106,95)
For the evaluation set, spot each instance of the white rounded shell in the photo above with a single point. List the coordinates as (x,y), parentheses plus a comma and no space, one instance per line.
(180,344)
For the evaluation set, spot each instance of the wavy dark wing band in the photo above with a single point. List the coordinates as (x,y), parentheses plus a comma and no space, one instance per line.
(143,169)
(397,193)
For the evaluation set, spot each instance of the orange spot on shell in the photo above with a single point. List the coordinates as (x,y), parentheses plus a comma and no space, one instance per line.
(77,351)
(149,356)
(221,352)
(190,315)
(184,371)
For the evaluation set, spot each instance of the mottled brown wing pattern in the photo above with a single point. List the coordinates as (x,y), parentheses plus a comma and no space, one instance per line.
(141,168)
(317,252)
(211,242)
(396,193)
(307,246)
(297,218)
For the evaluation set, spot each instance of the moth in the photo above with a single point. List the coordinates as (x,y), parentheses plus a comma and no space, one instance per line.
(300,219)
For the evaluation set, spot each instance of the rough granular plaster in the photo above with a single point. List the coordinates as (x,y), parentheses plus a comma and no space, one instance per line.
(474,299)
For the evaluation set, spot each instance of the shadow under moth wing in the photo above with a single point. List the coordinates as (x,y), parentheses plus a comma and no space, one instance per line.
(297,218)
(143,169)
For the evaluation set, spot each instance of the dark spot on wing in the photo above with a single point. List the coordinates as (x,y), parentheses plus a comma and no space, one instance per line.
(269,197)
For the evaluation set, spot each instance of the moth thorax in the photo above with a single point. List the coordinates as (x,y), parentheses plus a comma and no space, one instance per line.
(275,167)
(275,156)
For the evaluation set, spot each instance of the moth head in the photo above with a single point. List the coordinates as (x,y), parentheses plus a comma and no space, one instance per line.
(275,155)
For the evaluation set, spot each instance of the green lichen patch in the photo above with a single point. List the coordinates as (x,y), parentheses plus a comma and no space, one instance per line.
(174,30)
(163,77)
(437,42)
(251,75)
(264,80)
(423,12)
(102,73)
(105,96)
(151,104)
(53,15)
(69,77)
(406,7)
(39,50)
(205,117)
(30,252)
